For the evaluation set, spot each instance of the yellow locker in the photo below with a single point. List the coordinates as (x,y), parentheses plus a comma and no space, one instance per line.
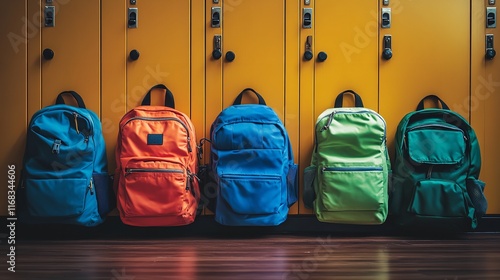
(485,98)
(69,51)
(158,48)
(252,52)
(339,47)
(16,27)
(430,44)
(245,47)
(144,43)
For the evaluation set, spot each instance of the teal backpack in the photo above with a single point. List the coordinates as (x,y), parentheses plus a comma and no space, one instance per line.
(436,170)
(348,179)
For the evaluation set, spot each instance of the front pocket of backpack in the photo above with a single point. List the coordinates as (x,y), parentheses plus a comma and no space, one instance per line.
(152,191)
(352,188)
(438,198)
(252,194)
(56,197)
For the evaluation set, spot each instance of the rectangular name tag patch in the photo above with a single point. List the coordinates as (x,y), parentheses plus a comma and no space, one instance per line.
(155,139)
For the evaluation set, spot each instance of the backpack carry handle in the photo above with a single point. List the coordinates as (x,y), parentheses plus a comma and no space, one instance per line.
(169,97)
(76,96)
(340,99)
(237,101)
(420,105)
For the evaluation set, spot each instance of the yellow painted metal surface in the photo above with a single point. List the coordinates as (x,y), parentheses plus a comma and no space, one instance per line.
(113,77)
(162,38)
(75,41)
(431,55)
(292,105)
(348,33)
(484,101)
(13,47)
(255,32)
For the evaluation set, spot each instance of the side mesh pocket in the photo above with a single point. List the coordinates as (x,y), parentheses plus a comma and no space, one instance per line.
(292,184)
(475,188)
(309,195)
(106,200)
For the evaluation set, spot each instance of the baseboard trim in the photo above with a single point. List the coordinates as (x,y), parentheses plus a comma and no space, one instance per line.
(113,228)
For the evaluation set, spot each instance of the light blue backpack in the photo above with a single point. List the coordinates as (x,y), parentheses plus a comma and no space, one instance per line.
(65,176)
(252,163)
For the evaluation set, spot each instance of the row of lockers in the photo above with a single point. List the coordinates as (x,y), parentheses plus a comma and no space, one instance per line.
(298,54)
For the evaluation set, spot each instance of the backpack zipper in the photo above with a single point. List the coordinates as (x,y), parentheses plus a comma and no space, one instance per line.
(151,170)
(354,168)
(164,119)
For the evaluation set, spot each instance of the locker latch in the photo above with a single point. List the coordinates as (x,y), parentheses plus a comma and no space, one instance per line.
(49,14)
(490,47)
(386,17)
(491,17)
(217,52)
(308,54)
(132,17)
(307,17)
(215,20)
(387,52)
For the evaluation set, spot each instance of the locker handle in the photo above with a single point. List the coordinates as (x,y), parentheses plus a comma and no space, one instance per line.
(322,56)
(48,54)
(230,56)
(490,47)
(134,54)
(217,53)
(387,52)
(308,54)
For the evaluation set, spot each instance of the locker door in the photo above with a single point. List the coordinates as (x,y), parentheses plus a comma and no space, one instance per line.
(345,35)
(430,43)
(158,49)
(485,98)
(343,44)
(252,51)
(70,50)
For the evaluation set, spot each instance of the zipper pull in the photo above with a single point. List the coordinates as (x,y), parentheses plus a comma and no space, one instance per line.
(91,187)
(75,115)
(55,146)
(189,144)
(328,123)
(429,172)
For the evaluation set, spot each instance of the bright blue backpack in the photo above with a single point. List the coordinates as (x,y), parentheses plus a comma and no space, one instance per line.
(65,176)
(252,162)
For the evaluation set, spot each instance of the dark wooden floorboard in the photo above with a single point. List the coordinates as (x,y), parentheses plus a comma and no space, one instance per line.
(469,256)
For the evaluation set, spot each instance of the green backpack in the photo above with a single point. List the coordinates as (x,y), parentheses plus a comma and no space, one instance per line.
(436,170)
(347,181)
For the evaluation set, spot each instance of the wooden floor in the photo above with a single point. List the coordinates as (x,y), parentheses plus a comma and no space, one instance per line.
(469,256)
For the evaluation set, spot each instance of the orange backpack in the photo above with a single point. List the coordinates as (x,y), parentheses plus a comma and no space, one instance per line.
(156,158)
